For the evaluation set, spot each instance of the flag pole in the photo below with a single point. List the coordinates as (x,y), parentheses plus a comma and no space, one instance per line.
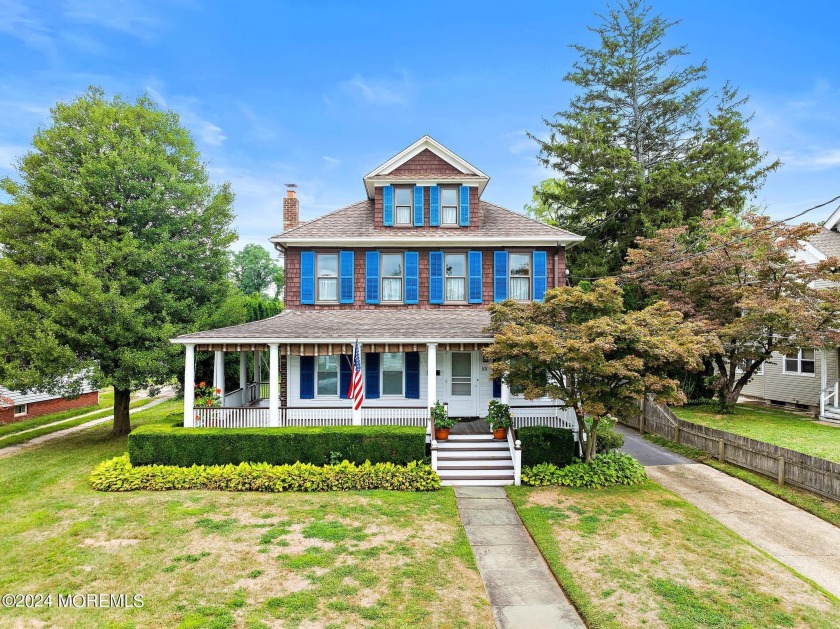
(356,412)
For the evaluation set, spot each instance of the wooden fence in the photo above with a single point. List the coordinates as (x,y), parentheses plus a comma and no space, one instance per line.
(787,467)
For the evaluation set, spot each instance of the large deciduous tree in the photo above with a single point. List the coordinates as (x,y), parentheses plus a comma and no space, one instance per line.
(113,241)
(741,279)
(642,145)
(580,347)
(254,271)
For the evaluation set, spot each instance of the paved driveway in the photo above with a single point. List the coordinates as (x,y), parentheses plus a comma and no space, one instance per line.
(804,542)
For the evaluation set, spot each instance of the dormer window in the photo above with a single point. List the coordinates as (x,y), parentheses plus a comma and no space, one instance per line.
(403,205)
(449,205)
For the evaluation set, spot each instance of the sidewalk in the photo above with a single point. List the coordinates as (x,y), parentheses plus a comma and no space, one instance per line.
(522,590)
(59,434)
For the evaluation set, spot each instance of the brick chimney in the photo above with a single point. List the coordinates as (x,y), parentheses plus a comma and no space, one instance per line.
(291,209)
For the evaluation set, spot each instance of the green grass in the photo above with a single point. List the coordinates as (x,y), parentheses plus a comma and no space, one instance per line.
(224,559)
(106,400)
(642,556)
(781,428)
(823,508)
(22,437)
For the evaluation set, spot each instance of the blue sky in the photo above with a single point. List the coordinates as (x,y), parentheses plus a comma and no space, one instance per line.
(320,93)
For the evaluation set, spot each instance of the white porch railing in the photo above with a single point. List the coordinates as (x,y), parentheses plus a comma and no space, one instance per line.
(543,415)
(296,416)
(830,396)
(515,446)
(395,416)
(253,392)
(235,399)
(247,417)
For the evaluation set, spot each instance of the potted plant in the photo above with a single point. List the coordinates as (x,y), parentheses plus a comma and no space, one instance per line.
(498,418)
(443,422)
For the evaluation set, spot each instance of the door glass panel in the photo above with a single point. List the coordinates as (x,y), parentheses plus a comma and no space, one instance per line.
(462,374)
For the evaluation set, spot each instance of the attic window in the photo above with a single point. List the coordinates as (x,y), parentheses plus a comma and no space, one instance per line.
(403,205)
(449,206)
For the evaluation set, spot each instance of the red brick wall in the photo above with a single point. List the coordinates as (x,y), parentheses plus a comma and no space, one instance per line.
(555,258)
(35,409)
(475,217)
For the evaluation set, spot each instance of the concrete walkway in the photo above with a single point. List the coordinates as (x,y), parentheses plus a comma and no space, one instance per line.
(60,434)
(804,542)
(522,590)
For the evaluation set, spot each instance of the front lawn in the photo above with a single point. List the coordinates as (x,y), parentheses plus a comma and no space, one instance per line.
(642,556)
(781,428)
(218,559)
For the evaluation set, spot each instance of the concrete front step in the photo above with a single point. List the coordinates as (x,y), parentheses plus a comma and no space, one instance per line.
(472,445)
(455,482)
(475,472)
(455,464)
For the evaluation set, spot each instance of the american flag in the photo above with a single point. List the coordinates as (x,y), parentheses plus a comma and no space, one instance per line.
(357,389)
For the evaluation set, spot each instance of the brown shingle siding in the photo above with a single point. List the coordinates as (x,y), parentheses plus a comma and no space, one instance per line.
(426,163)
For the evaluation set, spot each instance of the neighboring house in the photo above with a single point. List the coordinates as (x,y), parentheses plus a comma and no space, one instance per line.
(809,378)
(16,406)
(408,272)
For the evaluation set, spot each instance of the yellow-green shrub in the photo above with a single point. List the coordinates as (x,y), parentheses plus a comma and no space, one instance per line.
(118,474)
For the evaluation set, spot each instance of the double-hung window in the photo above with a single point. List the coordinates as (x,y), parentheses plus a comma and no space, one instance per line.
(456,277)
(403,204)
(327,377)
(449,206)
(21,409)
(392,277)
(392,373)
(520,276)
(802,362)
(327,265)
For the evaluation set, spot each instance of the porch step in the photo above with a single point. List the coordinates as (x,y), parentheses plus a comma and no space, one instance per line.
(472,445)
(475,464)
(479,455)
(485,437)
(476,482)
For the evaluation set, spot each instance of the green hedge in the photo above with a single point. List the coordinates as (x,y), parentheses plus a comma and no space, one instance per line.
(605,470)
(607,438)
(170,444)
(541,444)
(118,474)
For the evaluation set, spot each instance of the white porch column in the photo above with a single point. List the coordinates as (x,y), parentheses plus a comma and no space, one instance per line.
(243,378)
(189,386)
(219,373)
(258,371)
(273,385)
(824,381)
(431,374)
(505,393)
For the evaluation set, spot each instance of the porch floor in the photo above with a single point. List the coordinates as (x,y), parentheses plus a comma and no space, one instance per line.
(470,427)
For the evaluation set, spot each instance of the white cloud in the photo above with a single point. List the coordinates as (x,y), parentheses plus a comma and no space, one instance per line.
(206,131)
(379,91)
(137,19)
(9,154)
(816,159)
(16,21)
(331,162)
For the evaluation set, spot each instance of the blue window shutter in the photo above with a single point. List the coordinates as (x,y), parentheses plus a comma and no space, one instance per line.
(372,277)
(464,214)
(307,277)
(346,280)
(500,275)
(434,206)
(475,280)
(388,206)
(539,275)
(412,375)
(307,377)
(497,387)
(419,213)
(412,272)
(372,376)
(344,375)
(436,277)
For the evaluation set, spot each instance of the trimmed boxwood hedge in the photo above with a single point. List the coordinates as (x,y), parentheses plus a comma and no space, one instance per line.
(541,444)
(170,444)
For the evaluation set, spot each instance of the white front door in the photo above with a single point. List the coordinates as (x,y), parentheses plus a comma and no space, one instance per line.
(463,384)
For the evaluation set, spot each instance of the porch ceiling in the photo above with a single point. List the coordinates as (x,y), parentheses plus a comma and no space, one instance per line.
(383,326)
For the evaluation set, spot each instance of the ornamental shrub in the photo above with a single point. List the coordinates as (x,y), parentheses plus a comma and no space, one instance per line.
(171,444)
(606,470)
(607,437)
(541,444)
(118,474)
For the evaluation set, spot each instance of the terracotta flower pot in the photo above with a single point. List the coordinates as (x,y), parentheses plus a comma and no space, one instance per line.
(500,433)
(441,434)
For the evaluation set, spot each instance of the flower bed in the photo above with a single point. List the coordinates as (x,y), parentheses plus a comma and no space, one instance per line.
(118,474)
(606,470)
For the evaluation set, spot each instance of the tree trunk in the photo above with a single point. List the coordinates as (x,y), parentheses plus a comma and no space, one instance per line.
(122,420)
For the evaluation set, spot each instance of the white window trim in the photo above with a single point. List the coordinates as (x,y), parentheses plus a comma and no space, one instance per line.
(24,412)
(799,365)
(466,278)
(757,372)
(382,393)
(382,278)
(410,205)
(318,298)
(511,276)
(327,396)
(456,222)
